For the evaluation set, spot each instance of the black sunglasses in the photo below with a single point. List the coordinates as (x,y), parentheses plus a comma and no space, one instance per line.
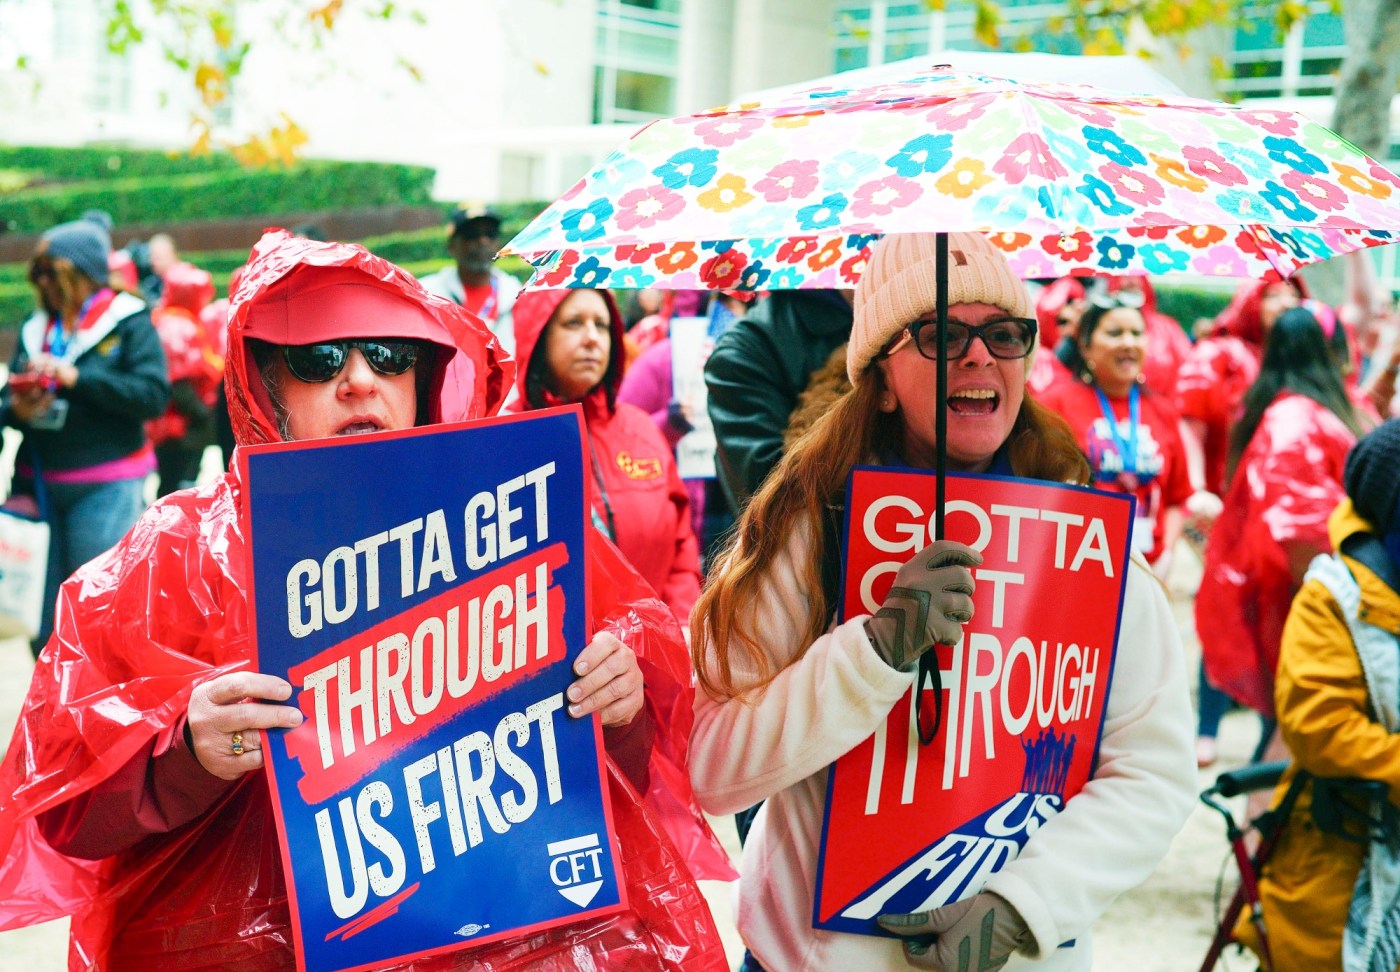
(315,363)
(1005,337)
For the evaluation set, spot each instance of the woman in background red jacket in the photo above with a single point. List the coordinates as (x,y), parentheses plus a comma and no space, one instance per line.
(569,349)
(1128,433)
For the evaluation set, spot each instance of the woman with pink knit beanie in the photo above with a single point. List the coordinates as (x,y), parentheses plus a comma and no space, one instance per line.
(786,691)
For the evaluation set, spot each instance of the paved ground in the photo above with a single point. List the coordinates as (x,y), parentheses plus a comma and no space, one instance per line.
(1162,926)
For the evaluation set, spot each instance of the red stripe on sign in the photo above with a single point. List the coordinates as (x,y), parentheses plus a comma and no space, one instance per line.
(376,693)
(374,916)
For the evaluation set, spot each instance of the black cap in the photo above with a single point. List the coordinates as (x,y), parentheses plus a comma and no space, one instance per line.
(1372,475)
(470,221)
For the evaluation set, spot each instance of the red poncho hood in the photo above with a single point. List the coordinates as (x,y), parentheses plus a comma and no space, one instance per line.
(1240,318)
(530,315)
(1048,305)
(187,286)
(298,291)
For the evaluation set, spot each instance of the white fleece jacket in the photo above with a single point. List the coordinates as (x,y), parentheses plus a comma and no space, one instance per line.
(775,744)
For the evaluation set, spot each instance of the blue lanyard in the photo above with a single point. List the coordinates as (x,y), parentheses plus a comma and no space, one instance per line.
(1127,448)
(56,341)
(57,338)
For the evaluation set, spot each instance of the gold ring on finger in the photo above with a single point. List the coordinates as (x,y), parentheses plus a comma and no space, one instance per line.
(237,744)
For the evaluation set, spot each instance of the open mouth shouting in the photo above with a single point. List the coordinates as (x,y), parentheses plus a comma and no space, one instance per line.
(973,401)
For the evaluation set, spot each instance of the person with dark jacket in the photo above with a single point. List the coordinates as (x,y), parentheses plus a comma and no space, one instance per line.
(569,347)
(88,373)
(756,373)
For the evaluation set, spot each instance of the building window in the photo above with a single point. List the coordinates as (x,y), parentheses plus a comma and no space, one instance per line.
(1267,63)
(637,60)
(111,83)
(887,30)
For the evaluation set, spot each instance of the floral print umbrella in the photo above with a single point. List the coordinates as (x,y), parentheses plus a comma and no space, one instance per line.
(1065,178)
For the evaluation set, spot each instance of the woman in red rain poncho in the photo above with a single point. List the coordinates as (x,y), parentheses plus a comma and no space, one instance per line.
(123,756)
(1287,454)
(1213,379)
(569,347)
(1057,311)
(195,366)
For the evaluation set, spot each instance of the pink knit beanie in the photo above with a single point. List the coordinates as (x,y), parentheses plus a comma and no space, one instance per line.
(897,288)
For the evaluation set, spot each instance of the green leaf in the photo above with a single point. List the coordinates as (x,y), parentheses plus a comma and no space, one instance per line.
(985,23)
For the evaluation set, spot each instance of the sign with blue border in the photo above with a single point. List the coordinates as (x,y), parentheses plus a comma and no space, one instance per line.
(910,827)
(425,594)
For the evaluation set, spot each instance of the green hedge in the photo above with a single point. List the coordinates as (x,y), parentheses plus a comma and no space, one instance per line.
(418,251)
(86,164)
(189,197)
(16,303)
(1186,304)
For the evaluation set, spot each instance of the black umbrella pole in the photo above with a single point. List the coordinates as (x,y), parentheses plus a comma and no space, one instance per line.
(929,672)
(940,466)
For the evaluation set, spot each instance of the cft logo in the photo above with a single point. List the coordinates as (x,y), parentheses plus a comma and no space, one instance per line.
(575,867)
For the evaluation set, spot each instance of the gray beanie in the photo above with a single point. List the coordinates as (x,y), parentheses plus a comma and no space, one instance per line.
(83,243)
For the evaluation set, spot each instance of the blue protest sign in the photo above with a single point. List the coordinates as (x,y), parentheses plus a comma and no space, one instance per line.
(424,592)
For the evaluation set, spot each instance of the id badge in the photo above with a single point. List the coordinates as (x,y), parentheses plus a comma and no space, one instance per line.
(53,418)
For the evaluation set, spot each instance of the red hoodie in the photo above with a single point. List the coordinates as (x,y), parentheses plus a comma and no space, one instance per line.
(638,497)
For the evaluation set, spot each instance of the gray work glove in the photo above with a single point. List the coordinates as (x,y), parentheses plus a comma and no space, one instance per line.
(979,934)
(929,603)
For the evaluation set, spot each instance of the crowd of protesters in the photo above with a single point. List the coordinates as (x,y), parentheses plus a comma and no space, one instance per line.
(1241,444)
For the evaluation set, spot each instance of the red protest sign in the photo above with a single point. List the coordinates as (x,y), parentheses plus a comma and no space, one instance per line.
(911,827)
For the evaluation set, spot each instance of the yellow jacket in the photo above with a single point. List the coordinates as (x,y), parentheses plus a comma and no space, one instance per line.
(1326,720)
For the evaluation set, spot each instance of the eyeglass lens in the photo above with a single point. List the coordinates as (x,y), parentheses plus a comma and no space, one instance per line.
(1004,338)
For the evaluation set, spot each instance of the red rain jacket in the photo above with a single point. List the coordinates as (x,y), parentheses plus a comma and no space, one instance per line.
(1288,481)
(191,352)
(1046,370)
(1212,380)
(637,490)
(196,879)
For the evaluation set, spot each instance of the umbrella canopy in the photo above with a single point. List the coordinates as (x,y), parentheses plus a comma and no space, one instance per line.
(1068,178)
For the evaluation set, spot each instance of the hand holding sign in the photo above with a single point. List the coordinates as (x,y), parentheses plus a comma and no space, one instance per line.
(929,603)
(609,681)
(979,933)
(225,706)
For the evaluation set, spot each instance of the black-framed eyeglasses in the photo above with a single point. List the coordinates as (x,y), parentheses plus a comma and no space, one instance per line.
(316,363)
(1005,337)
